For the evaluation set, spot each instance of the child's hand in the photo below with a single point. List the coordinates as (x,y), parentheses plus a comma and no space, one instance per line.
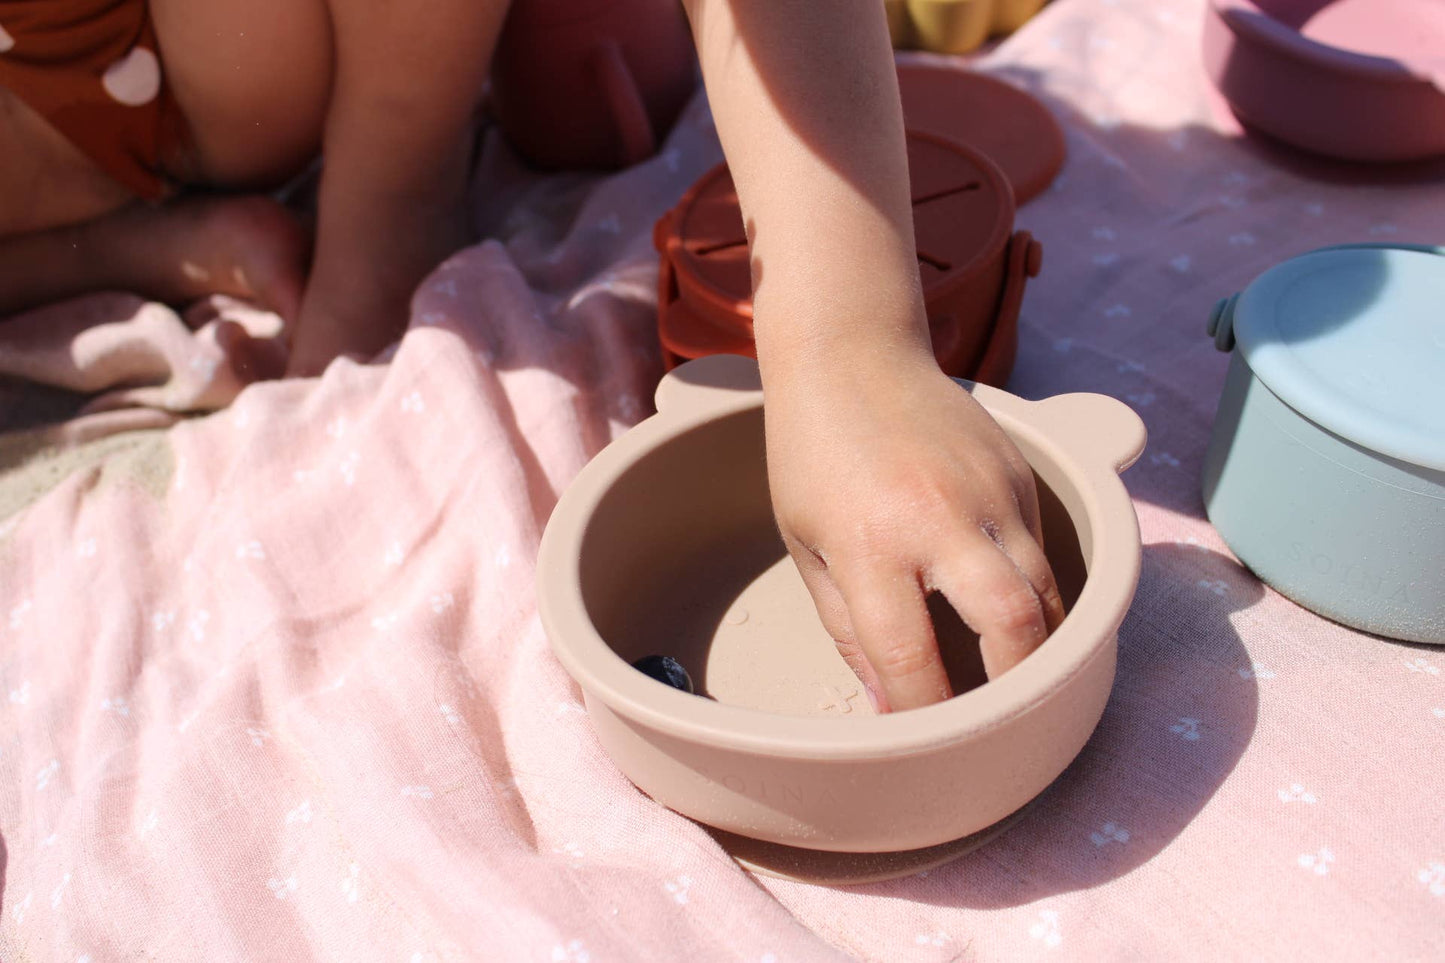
(371,255)
(889,482)
(358,297)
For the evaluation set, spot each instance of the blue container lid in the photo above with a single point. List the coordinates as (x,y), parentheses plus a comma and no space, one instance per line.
(1353,338)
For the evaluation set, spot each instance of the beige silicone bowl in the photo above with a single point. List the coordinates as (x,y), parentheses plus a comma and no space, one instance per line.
(666,544)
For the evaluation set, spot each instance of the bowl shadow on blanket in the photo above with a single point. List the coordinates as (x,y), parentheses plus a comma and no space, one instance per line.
(1183,710)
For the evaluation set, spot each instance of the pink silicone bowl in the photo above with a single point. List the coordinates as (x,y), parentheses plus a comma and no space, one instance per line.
(652,550)
(1360,80)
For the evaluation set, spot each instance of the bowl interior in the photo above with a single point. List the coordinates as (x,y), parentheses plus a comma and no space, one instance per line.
(1405,30)
(682,557)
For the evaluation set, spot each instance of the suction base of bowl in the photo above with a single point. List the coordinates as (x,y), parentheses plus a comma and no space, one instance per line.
(846,869)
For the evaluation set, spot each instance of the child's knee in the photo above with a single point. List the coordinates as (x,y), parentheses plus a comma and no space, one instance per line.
(253,79)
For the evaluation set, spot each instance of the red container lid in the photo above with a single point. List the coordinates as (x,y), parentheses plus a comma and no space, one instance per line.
(963,212)
(1009,125)
(962,215)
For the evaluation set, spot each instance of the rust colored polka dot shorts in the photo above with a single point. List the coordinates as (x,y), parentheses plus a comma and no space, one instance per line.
(90,68)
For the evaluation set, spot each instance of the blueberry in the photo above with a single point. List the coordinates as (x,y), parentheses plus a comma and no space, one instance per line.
(665,669)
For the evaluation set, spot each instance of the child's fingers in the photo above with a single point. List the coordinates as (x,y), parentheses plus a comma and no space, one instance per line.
(1028,506)
(825,595)
(834,613)
(994,597)
(890,622)
(1022,547)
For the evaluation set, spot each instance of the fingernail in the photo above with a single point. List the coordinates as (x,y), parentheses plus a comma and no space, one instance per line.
(873,700)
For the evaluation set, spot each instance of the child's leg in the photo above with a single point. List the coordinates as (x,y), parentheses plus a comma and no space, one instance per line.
(389,93)
(67,228)
(248,247)
(252,78)
(388,89)
(45,180)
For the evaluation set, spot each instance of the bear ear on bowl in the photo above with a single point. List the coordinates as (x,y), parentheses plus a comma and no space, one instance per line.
(1096,428)
(1103,426)
(718,382)
(1099,432)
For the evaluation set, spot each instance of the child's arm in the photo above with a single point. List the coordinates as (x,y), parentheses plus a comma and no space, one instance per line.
(888,480)
(392,198)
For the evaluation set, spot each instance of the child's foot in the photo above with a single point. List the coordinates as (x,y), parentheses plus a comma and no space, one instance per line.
(248,247)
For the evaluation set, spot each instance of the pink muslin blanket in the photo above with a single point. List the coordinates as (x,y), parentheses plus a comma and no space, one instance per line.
(273,687)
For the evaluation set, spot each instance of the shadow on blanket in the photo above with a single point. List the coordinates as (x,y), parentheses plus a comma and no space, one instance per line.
(1183,710)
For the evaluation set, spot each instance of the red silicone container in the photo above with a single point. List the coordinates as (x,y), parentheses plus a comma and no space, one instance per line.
(972,264)
(1011,126)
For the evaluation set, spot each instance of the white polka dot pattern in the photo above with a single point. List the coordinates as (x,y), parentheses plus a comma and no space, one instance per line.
(135,79)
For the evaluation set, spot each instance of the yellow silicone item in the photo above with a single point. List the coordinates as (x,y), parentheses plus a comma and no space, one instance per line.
(954,26)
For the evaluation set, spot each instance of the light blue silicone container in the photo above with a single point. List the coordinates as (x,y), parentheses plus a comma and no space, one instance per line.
(1325,473)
